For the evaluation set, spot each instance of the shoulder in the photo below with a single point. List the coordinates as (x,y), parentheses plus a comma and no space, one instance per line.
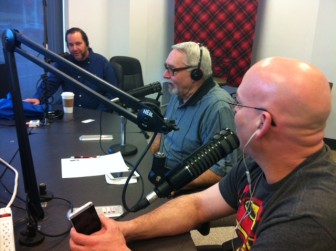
(314,184)
(97,57)
(220,93)
(217,99)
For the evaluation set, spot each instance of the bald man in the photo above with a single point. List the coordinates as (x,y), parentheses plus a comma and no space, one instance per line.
(283,193)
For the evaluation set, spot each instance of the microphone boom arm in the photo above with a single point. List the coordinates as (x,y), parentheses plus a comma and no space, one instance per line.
(147,118)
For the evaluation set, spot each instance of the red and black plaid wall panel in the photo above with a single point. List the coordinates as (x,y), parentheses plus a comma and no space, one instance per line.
(226,27)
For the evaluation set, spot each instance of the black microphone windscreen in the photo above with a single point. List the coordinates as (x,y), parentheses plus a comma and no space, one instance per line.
(222,144)
(146,90)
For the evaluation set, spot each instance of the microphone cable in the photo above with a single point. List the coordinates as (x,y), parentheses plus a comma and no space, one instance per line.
(124,203)
(132,171)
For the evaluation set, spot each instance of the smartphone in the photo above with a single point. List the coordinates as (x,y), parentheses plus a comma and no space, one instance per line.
(124,175)
(85,219)
(120,178)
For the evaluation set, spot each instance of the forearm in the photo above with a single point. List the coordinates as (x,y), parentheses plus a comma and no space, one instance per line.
(207,179)
(48,87)
(177,216)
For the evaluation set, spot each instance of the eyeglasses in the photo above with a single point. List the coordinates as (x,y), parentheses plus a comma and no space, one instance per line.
(233,105)
(172,70)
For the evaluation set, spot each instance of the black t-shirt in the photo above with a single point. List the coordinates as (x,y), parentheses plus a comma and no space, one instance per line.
(296,213)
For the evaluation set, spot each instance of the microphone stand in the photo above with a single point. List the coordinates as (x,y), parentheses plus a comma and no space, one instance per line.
(146,118)
(125,149)
(44,76)
(31,237)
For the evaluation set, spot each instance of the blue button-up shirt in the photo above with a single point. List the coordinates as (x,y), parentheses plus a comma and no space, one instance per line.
(199,119)
(95,64)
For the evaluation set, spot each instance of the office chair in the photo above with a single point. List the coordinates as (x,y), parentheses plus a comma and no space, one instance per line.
(125,149)
(118,73)
(129,76)
(130,70)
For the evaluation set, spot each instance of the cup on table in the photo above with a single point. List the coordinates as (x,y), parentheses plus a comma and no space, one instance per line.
(68,101)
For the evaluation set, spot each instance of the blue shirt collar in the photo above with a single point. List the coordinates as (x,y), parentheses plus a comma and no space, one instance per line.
(203,90)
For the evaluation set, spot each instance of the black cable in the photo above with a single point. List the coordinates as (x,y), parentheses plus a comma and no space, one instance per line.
(101,132)
(4,172)
(62,233)
(9,192)
(131,174)
(130,165)
(17,207)
(34,223)
(44,100)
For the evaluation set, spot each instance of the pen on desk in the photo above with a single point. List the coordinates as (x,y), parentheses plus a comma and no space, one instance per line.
(119,175)
(82,157)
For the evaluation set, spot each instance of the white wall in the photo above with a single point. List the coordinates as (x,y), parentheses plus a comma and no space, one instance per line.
(144,29)
(137,28)
(92,17)
(301,29)
(324,52)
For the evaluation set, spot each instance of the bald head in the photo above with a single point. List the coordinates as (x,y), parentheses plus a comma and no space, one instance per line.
(297,94)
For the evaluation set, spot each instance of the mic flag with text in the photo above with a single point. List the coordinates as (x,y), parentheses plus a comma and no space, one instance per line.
(222,144)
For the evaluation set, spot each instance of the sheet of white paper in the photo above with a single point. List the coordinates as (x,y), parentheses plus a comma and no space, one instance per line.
(84,167)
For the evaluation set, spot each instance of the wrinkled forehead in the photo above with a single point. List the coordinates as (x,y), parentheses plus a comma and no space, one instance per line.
(176,58)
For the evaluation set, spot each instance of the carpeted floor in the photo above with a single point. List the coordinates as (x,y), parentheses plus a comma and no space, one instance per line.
(216,236)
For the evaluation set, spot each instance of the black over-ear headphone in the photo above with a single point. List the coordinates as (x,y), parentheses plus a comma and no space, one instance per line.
(197,74)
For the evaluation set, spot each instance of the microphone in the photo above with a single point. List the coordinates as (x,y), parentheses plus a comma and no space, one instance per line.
(195,164)
(146,90)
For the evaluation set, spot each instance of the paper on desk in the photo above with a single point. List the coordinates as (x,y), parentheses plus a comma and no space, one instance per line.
(84,167)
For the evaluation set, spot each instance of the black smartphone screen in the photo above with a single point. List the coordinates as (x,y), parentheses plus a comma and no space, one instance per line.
(86,221)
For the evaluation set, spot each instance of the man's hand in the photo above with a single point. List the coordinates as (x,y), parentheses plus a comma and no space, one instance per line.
(108,238)
(33,101)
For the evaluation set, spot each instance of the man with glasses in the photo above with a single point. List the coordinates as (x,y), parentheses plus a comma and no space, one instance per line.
(283,193)
(199,106)
(237,105)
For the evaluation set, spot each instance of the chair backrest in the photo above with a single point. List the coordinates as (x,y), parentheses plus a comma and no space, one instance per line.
(118,73)
(131,72)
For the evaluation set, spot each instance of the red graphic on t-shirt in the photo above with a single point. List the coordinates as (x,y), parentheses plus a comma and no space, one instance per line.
(248,218)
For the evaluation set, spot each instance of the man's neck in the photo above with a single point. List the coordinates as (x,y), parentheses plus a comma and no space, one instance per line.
(277,164)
